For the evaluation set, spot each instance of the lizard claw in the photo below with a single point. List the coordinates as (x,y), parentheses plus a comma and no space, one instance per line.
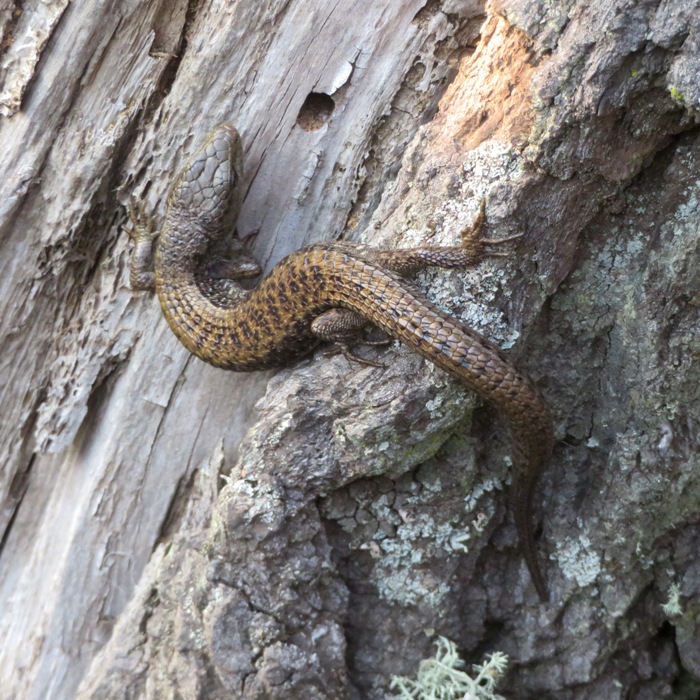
(470,234)
(472,241)
(498,241)
(351,357)
(140,226)
(249,238)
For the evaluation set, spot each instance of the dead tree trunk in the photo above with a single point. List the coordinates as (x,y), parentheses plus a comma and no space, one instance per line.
(164,537)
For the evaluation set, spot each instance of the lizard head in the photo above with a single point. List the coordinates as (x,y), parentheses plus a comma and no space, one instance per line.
(208,191)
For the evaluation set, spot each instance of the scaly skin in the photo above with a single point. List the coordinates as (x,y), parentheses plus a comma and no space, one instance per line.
(327,291)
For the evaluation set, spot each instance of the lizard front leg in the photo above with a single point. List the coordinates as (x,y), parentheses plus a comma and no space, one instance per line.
(346,330)
(144,235)
(231,262)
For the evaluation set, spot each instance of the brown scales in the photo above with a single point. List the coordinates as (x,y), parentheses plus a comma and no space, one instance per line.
(325,292)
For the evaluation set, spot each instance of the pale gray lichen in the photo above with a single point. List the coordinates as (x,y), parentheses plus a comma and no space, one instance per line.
(672,607)
(443,677)
(279,430)
(471,499)
(259,502)
(398,573)
(577,561)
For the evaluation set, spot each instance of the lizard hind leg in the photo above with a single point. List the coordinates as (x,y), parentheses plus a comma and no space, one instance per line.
(476,245)
(346,330)
(471,251)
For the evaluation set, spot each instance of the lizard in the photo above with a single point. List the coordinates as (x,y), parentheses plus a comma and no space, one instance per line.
(324,292)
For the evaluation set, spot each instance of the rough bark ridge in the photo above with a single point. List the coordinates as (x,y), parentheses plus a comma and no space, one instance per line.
(362,507)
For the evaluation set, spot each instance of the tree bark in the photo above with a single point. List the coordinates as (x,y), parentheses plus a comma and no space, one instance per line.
(164,536)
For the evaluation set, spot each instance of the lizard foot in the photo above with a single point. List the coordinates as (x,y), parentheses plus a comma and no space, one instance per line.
(141,230)
(475,245)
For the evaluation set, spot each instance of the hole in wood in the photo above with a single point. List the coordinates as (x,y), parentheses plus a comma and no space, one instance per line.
(315,111)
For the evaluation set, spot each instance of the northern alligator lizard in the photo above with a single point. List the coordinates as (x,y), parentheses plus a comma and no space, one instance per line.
(324,292)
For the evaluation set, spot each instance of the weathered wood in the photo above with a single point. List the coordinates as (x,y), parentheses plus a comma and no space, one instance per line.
(345,530)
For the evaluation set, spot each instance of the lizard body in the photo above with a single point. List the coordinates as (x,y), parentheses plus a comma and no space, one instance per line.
(326,292)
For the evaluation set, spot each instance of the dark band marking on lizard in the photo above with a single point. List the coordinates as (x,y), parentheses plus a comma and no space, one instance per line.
(320,293)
